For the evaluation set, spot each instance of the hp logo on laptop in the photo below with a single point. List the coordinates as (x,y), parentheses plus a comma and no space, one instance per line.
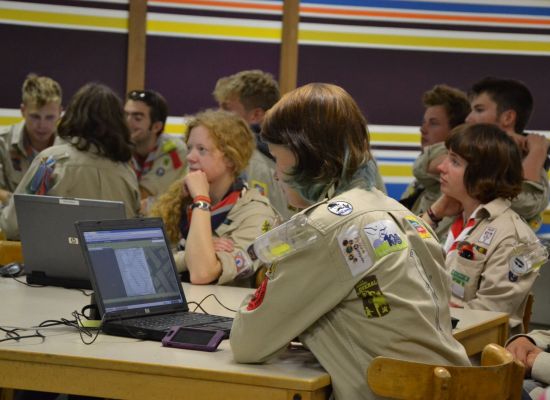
(73,240)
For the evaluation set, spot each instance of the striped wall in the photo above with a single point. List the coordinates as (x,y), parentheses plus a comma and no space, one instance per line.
(386,53)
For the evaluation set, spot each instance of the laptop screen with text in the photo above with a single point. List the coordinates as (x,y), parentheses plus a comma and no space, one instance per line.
(133,269)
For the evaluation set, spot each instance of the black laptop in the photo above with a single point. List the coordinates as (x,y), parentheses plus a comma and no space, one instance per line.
(137,288)
(48,236)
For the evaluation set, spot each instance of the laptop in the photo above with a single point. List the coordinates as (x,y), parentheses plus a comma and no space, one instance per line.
(137,288)
(48,236)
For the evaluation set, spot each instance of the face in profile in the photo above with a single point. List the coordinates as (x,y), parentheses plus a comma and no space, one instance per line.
(451,176)
(484,110)
(435,126)
(203,155)
(284,162)
(41,122)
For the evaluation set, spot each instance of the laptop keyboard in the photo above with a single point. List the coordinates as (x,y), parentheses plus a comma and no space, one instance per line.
(165,322)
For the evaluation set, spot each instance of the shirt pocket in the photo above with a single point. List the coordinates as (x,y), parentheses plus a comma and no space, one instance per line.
(465,275)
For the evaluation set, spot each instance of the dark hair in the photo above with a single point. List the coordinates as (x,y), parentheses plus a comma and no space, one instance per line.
(454,101)
(324,128)
(95,116)
(158,108)
(494,161)
(508,94)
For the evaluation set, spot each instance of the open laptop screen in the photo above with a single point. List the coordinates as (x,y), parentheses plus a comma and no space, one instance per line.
(133,269)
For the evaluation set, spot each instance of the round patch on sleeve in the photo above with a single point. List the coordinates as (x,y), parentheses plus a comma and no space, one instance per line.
(340,207)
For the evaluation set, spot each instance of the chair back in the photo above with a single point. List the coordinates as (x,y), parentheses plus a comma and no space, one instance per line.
(498,377)
(528,311)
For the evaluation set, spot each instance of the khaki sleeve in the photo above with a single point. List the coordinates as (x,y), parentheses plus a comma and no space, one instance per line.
(541,368)
(238,264)
(497,292)
(533,198)
(4,159)
(8,218)
(287,303)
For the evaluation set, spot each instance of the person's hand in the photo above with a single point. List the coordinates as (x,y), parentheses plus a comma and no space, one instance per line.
(524,351)
(536,142)
(196,184)
(223,244)
(446,206)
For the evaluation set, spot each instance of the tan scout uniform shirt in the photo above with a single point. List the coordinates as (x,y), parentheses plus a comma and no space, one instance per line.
(80,174)
(485,281)
(13,158)
(372,283)
(532,200)
(251,216)
(541,367)
(431,185)
(169,164)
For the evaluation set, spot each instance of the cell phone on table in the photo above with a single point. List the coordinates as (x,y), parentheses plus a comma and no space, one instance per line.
(193,338)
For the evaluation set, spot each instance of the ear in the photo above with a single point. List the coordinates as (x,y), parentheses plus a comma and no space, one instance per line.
(23,109)
(229,164)
(156,127)
(256,115)
(507,119)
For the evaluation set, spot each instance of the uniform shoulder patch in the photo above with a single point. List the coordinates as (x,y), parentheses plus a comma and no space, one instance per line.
(384,236)
(354,251)
(374,302)
(420,228)
(340,207)
(261,186)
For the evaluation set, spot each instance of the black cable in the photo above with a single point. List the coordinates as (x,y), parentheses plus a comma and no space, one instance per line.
(215,298)
(27,284)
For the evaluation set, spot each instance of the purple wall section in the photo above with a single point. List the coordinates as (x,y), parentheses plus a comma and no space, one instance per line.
(72,57)
(185,70)
(388,84)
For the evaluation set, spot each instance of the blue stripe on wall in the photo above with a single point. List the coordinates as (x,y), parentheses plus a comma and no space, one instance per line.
(440,6)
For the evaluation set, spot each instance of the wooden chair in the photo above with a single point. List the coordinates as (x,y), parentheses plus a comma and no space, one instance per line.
(10,251)
(498,377)
(527,312)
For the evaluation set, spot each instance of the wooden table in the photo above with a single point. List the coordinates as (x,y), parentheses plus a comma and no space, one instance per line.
(476,328)
(117,367)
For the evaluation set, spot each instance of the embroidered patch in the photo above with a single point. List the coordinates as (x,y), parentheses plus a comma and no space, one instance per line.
(416,224)
(160,171)
(384,237)
(340,207)
(512,277)
(166,161)
(243,264)
(261,186)
(374,302)
(487,235)
(459,280)
(479,249)
(266,226)
(354,251)
(519,265)
(258,297)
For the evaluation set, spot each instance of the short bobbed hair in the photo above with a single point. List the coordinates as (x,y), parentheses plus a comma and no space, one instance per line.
(494,161)
(325,130)
(95,116)
(230,133)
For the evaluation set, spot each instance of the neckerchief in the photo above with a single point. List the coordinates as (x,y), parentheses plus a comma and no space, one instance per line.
(141,166)
(458,232)
(218,212)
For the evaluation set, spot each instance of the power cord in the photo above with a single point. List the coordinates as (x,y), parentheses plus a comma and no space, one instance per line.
(199,304)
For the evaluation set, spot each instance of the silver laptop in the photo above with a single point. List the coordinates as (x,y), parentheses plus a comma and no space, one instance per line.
(136,285)
(49,241)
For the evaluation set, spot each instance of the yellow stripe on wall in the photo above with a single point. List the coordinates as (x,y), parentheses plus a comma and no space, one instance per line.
(395,137)
(410,41)
(227,31)
(395,170)
(46,18)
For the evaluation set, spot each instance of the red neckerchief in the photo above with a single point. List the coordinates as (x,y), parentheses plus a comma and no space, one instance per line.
(142,165)
(457,230)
